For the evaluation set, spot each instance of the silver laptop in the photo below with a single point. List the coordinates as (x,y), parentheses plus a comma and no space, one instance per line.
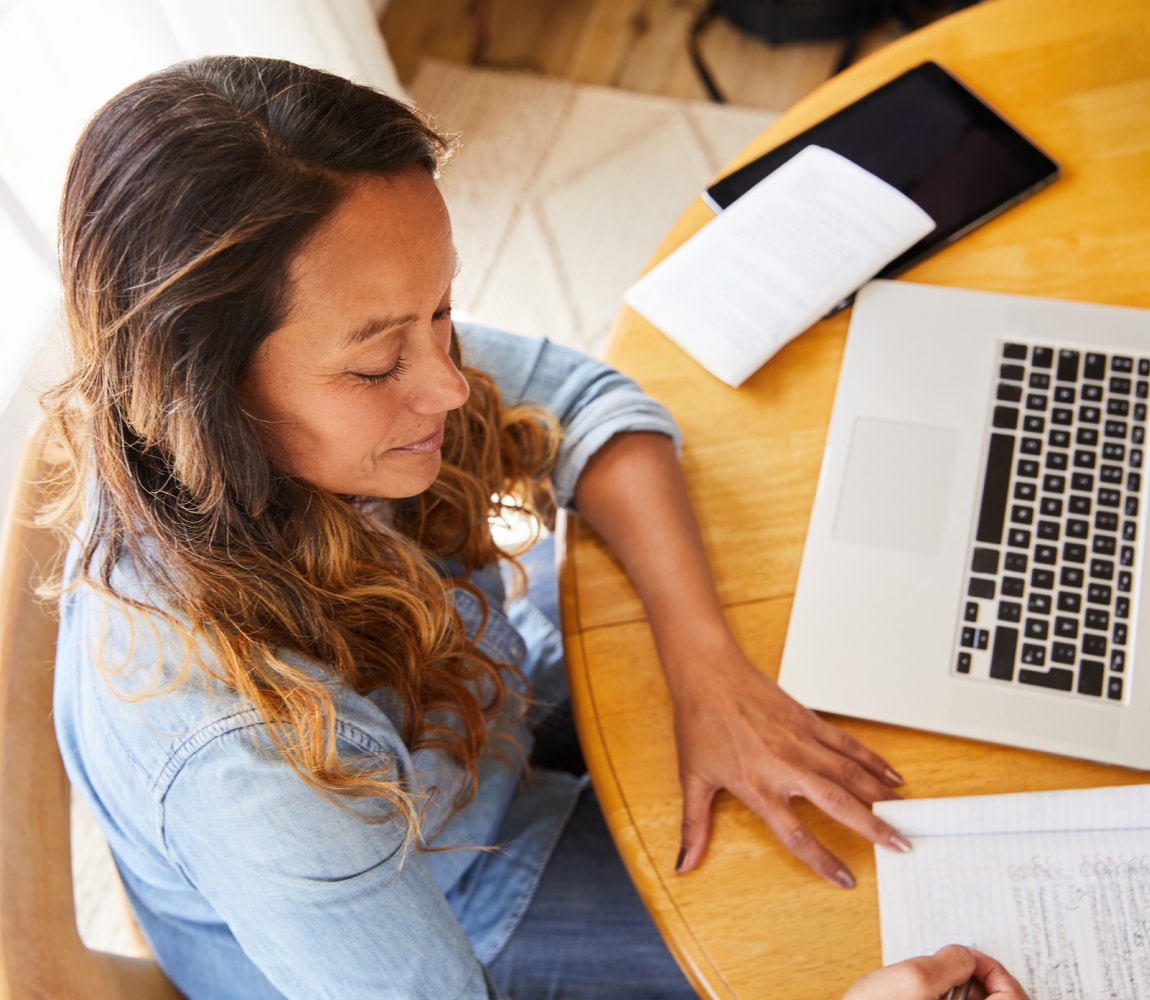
(976,557)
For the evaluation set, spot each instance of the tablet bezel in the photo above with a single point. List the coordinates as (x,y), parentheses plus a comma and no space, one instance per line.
(1039,169)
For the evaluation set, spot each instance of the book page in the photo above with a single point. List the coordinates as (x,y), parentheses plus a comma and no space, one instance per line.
(778,259)
(1056,885)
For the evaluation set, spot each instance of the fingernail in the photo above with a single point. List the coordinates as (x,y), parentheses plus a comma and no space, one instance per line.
(844,878)
(892,777)
(900,843)
(681,859)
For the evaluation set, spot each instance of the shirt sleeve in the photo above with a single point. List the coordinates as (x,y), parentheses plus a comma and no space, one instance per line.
(592,401)
(363,919)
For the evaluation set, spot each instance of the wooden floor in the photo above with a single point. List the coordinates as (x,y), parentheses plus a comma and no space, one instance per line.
(639,45)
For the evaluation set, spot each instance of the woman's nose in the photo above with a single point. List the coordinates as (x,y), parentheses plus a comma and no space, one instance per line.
(440,385)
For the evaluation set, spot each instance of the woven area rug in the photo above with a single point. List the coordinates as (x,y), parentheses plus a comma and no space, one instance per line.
(559,194)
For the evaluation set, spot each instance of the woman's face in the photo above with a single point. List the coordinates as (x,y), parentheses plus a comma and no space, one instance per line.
(352,391)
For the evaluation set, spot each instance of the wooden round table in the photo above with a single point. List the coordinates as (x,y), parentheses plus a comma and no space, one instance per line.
(752,921)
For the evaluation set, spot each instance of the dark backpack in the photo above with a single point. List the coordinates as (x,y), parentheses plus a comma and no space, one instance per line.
(780,21)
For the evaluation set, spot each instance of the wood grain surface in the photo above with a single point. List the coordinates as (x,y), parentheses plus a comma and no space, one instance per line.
(752,921)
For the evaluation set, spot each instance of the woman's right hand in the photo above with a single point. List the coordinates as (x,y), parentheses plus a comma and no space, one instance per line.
(930,977)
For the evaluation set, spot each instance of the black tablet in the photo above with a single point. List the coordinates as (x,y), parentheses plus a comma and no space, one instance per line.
(928,135)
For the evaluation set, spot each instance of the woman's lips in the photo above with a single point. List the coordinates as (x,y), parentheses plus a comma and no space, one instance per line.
(431,443)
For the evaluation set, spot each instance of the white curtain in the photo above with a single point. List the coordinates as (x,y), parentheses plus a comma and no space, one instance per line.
(59,61)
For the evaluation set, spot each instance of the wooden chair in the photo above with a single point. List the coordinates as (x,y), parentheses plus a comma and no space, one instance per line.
(41,954)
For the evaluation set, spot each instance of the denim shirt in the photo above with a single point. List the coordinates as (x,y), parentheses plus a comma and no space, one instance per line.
(248,883)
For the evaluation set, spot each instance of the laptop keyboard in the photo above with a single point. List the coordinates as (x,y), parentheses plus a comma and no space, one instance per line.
(1052,573)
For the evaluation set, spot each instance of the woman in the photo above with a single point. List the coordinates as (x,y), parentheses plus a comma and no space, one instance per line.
(290,680)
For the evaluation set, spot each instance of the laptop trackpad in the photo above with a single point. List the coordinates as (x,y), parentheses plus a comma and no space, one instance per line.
(896,485)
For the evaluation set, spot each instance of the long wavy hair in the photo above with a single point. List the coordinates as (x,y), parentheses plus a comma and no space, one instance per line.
(186,198)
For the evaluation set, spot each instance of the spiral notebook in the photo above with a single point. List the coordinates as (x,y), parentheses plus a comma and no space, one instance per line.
(1055,885)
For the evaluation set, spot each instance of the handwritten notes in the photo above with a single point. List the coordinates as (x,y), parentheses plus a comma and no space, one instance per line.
(1054,884)
(776,260)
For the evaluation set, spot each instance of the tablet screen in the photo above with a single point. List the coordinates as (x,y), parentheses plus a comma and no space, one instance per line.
(929,136)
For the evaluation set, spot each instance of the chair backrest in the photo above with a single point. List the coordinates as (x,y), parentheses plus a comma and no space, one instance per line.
(41,953)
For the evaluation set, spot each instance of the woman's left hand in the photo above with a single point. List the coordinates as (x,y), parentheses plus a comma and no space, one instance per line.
(737,729)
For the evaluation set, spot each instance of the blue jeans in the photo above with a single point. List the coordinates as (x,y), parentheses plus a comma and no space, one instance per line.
(586,934)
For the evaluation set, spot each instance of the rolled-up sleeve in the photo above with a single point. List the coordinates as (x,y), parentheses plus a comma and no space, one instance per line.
(592,401)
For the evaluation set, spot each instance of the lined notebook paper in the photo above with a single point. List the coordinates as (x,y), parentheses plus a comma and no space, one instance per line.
(1056,885)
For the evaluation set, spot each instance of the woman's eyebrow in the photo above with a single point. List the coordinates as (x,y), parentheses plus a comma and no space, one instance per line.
(381,324)
(374,327)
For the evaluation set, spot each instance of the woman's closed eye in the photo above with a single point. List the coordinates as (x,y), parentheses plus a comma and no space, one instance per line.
(374,378)
(401,365)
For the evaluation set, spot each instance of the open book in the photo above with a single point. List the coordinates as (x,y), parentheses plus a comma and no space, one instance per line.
(1055,885)
(782,256)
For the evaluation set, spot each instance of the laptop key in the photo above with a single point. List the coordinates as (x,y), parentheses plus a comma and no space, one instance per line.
(1071,576)
(1008,611)
(1037,628)
(980,587)
(1012,586)
(1097,593)
(1058,678)
(984,561)
(995,489)
(1098,619)
(1094,645)
(1090,677)
(1033,655)
(1067,366)
(1003,652)
(1006,417)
